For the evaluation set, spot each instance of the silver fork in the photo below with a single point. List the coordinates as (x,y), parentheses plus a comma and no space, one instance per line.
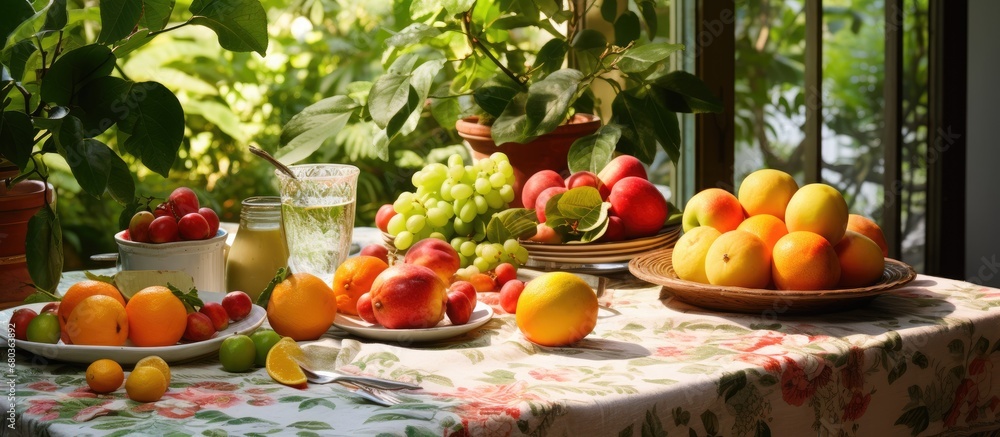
(325,377)
(372,394)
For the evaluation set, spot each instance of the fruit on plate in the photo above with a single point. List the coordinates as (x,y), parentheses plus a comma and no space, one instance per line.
(365,310)
(436,255)
(556,309)
(459,308)
(99,321)
(619,168)
(44,328)
(354,277)
(409,296)
(301,307)
(217,314)
(19,322)
(542,201)
(79,291)
(538,183)
(376,250)
(639,205)
(237,305)
(155,317)
(817,246)
(178,218)
(199,327)
(585,178)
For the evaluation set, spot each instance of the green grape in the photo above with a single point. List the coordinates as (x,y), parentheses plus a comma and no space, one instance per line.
(456,172)
(511,245)
(504,168)
(403,241)
(470,176)
(521,255)
(463,227)
(415,223)
(507,257)
(481,205)
(461,191)
(507,194)
(423,234)
(403,203)
(455,161)
(498,157)
(396,224)
(468,212)
(481,264)
(490,252)
(463,261)
(438,217)
(456,243)
(497,180)
(483,186)
(494,200)
(456,206)
(448,229)
(468,248)
(446,190)
(434,175)
(438,235)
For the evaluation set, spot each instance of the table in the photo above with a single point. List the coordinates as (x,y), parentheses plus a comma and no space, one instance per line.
(921,360)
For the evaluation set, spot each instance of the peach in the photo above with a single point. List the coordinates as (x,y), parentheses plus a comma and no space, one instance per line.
(804,260)
(615,231)
(365,309)
(436,255)
(382,217)
(621,167)
(713,207)
(459,308)
(376,250)
(766,227)
(639,205)
(818,208)
(861,260)
(509,294)
(690,252)
(867,227)
(587,179)
(465,287)
(738,259)
(408,296)
(545,234)
(543,199)
(537,183)
(767,191)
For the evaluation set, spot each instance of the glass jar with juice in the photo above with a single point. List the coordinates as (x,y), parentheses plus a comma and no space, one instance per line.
(259,249)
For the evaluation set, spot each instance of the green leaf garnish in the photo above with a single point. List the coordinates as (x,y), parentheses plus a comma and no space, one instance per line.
(265,295)
(191,300)
(512,223)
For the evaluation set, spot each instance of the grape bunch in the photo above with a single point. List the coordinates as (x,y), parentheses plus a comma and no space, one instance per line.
(455,203)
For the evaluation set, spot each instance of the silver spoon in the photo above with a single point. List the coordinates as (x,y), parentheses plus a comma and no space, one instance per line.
(325,377)
(267,156)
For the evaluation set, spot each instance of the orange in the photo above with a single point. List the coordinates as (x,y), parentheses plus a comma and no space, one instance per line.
(804,261)
(145,384)
(738,259)
(104,376)
(766,227)
(689,253)
(281,363)
(818,208)
(861,261)
(302,307)
(155,317)
(82,290)
(353,278)
(98,320)
(767,191)
(867,227)
(156,363)
(556,309)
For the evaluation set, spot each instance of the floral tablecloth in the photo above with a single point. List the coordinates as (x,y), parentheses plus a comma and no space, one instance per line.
(919,361)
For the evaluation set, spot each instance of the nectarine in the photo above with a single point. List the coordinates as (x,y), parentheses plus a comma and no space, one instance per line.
(639,205)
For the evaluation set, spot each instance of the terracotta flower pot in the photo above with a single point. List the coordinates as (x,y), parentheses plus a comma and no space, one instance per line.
(17,205)
(547,152)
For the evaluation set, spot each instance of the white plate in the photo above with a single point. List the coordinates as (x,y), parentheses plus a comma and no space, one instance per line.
(355,325)
(667,233)
(127,354)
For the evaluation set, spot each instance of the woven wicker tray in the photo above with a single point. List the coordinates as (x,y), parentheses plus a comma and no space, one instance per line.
(657,268)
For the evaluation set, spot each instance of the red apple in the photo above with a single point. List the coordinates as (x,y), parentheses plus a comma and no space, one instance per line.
(436,255)
(237,305)
(713,207)
(212,218)
(543,199)
(19,321)
(639,205)
(587,179)
(163,229)
(537,183)
(459,308)
(509,294)
(183,201)
(52,307)
(365,309)
(138,227)
(408,296)
(465,287)
(615,231)
(218,314)
(193,226)
(376,250)
(199,327)
(620,168)
(382,217)
(545,234)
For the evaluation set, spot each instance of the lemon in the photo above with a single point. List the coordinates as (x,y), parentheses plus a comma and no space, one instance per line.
(157,363)
(105,376)
(556,309)
(145,384)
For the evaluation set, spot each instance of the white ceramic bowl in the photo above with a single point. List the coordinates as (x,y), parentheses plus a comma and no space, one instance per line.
(204,260)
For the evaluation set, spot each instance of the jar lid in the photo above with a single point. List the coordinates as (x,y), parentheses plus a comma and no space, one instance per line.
(262,202)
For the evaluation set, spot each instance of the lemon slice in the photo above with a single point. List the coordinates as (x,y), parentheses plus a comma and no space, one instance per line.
(129,282)
(281,363)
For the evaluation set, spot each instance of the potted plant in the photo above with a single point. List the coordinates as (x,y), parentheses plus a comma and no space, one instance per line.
(464,63)
(61,92)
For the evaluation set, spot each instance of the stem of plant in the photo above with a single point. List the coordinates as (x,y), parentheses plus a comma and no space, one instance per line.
(475,43)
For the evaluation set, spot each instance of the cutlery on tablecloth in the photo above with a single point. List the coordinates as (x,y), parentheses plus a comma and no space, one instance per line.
(372,395)
(327,376)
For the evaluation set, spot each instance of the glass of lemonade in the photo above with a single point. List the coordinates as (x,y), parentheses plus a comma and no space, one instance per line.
(317,215)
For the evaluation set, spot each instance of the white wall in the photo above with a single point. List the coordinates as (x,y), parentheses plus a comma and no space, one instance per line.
(982,238)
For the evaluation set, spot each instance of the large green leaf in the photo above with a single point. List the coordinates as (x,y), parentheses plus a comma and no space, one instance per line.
(16,140)
(681,91)
(512,122)
(545,108)
(550,57)
(121,186)
(494,95)
(15,12)
(665,126)
(240,24)
(593,152)
(638,136)
(397,97)
(155,125)
(412,34)
(642,58)
(44,254)
(388,96)
(55,16)
(585,205)
(16,58)
(314,125)
(73,70)
(90,161)
(118,19)
(512,223)
(156,13)
(648,9)
(101,103)
(627,28)
(609,10)
(457,6)
(590,39)
(136,40)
